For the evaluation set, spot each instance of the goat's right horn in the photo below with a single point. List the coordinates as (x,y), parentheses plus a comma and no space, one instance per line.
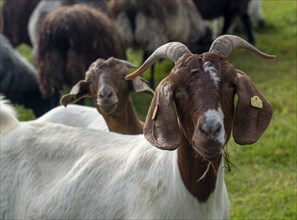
(172,51)
(224,45)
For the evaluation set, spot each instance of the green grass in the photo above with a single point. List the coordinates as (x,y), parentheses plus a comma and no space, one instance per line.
(264,183)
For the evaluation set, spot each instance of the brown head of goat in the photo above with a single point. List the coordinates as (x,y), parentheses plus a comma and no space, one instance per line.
(105,83)
(193,109)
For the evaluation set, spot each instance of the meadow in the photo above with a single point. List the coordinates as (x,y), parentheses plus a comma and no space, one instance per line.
(262,183)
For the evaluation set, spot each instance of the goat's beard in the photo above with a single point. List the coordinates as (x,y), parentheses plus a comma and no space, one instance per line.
(210,159)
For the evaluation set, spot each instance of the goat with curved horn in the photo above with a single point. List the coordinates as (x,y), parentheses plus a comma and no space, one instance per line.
(223,46)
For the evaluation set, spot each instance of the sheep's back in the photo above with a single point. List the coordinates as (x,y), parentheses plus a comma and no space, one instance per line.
(85,31)
(71,38)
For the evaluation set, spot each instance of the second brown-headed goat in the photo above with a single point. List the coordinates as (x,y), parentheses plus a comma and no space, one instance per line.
(105,83)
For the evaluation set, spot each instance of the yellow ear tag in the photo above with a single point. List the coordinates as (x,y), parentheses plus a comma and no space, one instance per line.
(256,102)
(155,111)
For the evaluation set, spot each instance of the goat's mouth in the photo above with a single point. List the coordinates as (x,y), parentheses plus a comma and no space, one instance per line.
(108,108)
(210,151)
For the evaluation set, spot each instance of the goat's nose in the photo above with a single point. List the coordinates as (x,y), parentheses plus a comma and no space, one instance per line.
(105,93)
(211,128)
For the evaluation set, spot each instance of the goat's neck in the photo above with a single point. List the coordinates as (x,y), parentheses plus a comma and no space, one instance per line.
(125,122)
(193,171)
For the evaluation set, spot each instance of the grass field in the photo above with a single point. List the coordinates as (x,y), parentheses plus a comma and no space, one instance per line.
(263,183)
(263,186)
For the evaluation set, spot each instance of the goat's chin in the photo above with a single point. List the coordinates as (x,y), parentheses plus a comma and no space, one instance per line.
(209,150)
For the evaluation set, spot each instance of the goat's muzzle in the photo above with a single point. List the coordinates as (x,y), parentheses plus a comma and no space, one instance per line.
(107,100)
(209,137)
(208,149)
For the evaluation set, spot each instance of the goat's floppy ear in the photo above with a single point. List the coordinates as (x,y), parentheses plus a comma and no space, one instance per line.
(253,112)
(161,126)
(140,85)
(78,91)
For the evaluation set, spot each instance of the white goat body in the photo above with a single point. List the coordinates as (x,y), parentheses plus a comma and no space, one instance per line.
(75,116)
(54,171)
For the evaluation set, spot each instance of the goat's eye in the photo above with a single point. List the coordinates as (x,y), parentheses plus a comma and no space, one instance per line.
(175,91)
(179,92)
(232,86)
(122,77)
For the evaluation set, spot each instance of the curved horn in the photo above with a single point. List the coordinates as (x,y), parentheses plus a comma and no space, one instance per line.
(224,45)
(172,51)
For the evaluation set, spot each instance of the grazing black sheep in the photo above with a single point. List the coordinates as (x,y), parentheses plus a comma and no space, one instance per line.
(1,22)
(229,9)
(150,24)
(71,38)
(18,81)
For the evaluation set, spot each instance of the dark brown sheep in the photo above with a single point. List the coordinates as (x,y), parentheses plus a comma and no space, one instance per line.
(46,6)
(71,38)
(16,16)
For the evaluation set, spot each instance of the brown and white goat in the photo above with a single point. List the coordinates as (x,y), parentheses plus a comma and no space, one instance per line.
(204,86)
(71,173)
(105,83)
(71,38)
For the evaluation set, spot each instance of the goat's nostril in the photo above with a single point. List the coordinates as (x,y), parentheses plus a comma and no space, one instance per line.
(217,129)
(105,94)
(203,130)
(210,129)
(108,94)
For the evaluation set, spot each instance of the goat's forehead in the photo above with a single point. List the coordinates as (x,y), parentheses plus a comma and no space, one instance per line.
(107,70)
(198,68)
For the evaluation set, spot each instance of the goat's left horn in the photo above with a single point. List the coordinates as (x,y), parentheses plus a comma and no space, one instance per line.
(224,45)
(172,51)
